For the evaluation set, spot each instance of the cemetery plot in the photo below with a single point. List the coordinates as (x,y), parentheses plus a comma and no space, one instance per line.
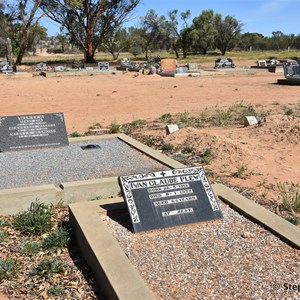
(169,198)
(32,131)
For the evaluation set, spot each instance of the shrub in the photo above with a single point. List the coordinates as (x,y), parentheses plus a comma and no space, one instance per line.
(36,220)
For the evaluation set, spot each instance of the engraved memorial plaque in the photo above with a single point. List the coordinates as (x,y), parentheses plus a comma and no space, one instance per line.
(292,69)
(169,198)
(32,131)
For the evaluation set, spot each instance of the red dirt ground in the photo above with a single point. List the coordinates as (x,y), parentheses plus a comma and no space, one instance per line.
(270,152)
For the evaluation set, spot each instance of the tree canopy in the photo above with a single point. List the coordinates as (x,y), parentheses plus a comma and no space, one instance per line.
(89,22)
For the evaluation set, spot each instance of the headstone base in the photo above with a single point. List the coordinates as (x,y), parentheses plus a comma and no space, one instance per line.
(288,81)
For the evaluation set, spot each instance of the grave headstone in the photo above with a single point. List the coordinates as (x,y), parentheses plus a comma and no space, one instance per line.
(77,64)
(292,69)
(262,63)
(171,128)
(250,120)
(168,65)
(169,198)
(224,63)
(192,66)
(103,65)
(182,69)
(7,67)
(32,131)
(60,69)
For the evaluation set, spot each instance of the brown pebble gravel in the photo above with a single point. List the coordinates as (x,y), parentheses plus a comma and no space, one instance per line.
(228,259)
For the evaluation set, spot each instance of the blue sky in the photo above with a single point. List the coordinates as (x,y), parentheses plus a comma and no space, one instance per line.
(263,16)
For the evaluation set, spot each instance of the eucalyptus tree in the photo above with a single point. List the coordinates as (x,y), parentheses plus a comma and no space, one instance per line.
(153,31)
(24,17)
(203,31)
(89,22)
(228,32)
(116,42)
(180,38)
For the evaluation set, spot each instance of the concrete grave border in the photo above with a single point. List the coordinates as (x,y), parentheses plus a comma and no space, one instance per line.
(112,269)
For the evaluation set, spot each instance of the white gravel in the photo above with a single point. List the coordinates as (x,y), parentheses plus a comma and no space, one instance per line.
(231,258)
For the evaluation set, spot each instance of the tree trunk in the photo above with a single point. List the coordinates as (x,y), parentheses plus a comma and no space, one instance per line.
(9,52)
(20,55)
(89,50)
(89,56)
(176,51)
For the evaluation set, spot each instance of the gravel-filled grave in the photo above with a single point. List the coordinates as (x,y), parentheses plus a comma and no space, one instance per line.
(71,163)
(232,258)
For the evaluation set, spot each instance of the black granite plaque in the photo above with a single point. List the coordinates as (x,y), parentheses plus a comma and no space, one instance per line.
(103,65)
(32,131)
(292,69)
(169,198)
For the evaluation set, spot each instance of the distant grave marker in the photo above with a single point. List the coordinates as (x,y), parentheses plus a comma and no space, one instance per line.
(262,63)
(169,198)
(32,131)
(171,128)
(192,66)
(292,69)
(168,64)
(250,120)
(103,65)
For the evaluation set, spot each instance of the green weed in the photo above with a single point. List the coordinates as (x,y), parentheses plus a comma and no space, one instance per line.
(114,127)
(207,156)
(55,291)
(48,267)
(3,235)
(56,240)
(8,267)
(167,147)
(75,134)
(166,118)
(288,112)
(30,247)
(290,196)
(137,123)
(187,149)
(36,220)
(240,172)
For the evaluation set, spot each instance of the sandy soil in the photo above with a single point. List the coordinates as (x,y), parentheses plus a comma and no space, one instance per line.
(270,152)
